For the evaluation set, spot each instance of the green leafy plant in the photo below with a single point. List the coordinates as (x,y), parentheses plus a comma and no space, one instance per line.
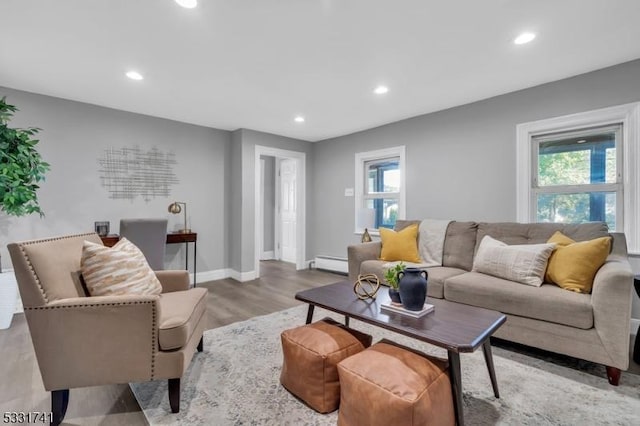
(21,166)
(391,275)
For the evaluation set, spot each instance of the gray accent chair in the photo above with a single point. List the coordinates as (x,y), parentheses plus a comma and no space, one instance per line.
(150,236)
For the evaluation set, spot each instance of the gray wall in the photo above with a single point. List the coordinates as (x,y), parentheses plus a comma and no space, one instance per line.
(74,136)
(461,162)
(269,202)
(235,201)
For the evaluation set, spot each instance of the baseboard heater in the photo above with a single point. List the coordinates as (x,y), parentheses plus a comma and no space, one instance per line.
(332,264)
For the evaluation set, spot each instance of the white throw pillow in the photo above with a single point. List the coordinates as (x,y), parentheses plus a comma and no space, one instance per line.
(121,269)
(524,263)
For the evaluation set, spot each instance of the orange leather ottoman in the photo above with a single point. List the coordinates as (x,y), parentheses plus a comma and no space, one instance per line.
(311,354)
(391,385)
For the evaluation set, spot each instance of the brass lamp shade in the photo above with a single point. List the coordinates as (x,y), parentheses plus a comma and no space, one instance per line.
(176,208)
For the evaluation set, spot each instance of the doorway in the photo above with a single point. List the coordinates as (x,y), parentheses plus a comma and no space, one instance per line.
(288,207)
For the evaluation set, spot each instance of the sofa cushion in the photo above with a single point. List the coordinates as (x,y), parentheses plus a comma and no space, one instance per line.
(118,270)
(573,266)
(401,224)
(180,312)
(537,233)
(459,245)
(548,302)
(402,245)
(437,274)
(522,263)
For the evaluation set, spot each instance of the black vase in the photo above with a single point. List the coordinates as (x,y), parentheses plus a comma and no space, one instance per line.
(413,288)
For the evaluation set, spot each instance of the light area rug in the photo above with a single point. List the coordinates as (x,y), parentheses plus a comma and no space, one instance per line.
(235,381)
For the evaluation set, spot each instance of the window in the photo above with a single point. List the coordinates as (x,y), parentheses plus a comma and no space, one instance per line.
(577,176)
(582,167)
(379,190)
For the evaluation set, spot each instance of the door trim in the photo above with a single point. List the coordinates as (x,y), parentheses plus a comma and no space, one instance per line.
(301,159)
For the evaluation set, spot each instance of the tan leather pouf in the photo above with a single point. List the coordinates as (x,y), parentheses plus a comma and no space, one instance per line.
(311,354)
(391,385)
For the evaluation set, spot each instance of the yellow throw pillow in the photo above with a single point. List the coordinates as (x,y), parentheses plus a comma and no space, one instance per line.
(573,265)
(402,245)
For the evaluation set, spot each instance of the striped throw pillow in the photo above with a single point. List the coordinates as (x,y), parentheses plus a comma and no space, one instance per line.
(118,270)
(525,263)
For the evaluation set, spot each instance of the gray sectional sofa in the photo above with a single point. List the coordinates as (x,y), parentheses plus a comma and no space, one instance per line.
(593,327)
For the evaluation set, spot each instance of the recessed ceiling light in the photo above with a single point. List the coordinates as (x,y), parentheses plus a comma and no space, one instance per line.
(380,90)
(189,4)
(524,38)
(299,119)
(134,75)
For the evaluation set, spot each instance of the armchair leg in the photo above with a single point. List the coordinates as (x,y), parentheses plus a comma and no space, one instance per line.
(59,403)
(174,395)
(613,374)
(201,344)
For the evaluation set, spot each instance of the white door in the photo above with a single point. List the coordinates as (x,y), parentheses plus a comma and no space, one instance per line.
(288,210)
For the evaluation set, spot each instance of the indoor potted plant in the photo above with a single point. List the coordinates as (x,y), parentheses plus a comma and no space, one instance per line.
(391,276)
(21,169)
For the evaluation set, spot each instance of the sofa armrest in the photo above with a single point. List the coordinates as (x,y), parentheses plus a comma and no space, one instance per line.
(611,301)
(89,341)
(177,280)
(358,253)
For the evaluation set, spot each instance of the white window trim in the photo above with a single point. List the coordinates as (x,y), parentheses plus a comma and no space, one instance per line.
(361,158)
(629,116)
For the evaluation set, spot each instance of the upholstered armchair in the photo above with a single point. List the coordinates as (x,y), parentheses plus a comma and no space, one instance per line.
(87,341)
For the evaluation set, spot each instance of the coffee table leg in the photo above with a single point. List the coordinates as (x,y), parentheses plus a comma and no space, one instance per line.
(488,358)
(456,386)
(310,314)
(346,321)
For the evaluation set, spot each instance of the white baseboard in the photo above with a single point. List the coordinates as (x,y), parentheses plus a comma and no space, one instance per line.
(217,274)
(268,255)
(220,274)
(331,263)
(243,276)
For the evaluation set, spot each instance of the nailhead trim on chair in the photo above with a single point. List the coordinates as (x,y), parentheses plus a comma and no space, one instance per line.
(154,348)
(33,272)
(91,305)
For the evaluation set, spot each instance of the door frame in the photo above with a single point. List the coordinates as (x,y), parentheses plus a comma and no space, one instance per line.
(300,159)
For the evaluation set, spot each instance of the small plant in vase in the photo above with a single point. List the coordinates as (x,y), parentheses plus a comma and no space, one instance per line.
(391,276)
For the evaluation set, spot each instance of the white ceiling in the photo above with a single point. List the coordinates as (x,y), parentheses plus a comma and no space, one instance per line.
(258,63)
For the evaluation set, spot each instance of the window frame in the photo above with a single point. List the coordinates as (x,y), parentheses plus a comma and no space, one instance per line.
(361,182)
(585,188)
(629,116)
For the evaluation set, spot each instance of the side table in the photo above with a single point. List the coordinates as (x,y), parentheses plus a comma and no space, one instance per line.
(636,346)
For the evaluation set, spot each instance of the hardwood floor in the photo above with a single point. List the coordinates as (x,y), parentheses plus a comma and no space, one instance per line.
(229,301)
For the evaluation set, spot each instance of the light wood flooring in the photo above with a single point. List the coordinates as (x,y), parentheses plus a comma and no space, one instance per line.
(229,301)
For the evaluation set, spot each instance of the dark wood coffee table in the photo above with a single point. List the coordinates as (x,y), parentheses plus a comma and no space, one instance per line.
(453,326)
